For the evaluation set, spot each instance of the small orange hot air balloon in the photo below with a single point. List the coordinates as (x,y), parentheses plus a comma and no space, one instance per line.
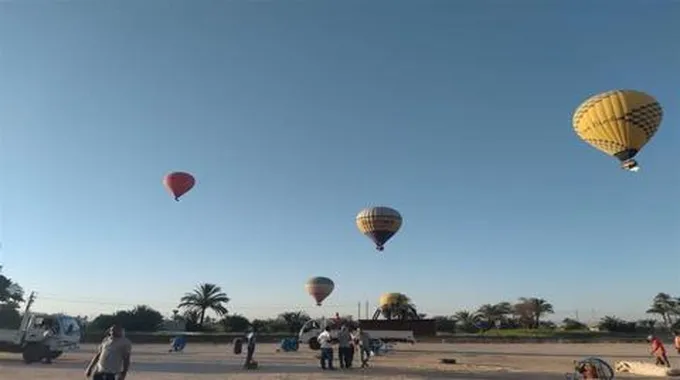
(178,183)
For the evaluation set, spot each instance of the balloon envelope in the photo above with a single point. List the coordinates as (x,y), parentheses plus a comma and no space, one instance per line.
(618,123)
(319,288)
(379,224)
(389,299)
(178,183)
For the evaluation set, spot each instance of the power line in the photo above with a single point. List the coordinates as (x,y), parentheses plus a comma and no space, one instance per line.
(174,305)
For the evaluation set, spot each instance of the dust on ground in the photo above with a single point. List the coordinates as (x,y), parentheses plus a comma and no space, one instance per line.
(211,362)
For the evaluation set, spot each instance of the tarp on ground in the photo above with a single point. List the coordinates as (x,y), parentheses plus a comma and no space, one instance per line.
(645,369)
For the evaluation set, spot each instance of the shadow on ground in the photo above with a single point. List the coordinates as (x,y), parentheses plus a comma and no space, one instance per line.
(516,354)
(234,367)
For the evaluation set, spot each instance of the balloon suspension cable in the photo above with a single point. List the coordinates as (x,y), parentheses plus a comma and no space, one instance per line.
(630,165)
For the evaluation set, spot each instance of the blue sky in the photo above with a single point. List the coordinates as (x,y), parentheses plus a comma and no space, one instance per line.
(295,115)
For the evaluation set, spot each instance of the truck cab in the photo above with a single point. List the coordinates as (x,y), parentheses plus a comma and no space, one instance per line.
(31,341)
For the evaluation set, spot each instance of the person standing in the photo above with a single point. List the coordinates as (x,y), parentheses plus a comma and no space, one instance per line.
(676,341)
(659,351)
(112,358)
(364,341)
(344,342)
(250,350)
(48,340)
(351,349)
(324,340)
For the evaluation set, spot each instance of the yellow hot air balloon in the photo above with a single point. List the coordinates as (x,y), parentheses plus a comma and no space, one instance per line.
(388,299)
(319,288)
(379,224)
(618,123)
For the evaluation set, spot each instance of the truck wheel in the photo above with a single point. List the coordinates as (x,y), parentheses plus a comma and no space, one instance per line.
(32,353)
(314,344)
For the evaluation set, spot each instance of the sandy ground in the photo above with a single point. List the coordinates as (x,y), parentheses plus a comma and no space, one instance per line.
(211,362)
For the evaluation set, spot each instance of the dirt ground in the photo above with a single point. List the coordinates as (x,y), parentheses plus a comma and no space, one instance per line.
(421,361)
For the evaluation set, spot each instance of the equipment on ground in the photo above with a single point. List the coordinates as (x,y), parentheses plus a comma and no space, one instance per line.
(32,339)
(645,369)
(238,346)
(589,367)
(288,345)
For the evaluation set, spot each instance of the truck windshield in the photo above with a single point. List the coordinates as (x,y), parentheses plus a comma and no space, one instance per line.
(311,325)
(70,326)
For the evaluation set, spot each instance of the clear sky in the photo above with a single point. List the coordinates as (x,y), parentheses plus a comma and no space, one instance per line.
(294,115)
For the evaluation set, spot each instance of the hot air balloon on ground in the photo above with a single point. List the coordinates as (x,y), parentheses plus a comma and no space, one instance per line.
(619,123)
(379,224)
(178,183)
(319,288)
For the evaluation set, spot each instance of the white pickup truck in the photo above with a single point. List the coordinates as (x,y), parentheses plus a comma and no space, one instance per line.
(29,339)
(311,330)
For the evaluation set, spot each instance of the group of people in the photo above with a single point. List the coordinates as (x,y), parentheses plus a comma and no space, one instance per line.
(347,342)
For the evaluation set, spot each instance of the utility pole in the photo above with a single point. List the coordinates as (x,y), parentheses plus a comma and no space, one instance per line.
(29,302)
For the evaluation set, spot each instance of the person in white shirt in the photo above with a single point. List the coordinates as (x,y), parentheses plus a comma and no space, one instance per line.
(251,340)
(326,348)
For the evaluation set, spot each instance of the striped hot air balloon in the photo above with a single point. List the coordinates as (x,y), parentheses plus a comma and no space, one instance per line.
(379,224)
(319,288)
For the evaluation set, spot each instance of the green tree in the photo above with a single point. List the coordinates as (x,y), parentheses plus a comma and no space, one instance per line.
(11,294)
(235,323)
(492,315)
(534,309)
(141,318)
(666,307)
(205,297)
(102,322)
(401,307)
(646,325)
(294,320)
(270,325)
(571,324)
(614,324)
(466,321)
(445,324)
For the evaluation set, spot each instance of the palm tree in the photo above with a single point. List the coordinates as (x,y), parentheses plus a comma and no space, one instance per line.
(537,308)
(494,314)
(467,321)
(294,320)
(400,307)
(204,297)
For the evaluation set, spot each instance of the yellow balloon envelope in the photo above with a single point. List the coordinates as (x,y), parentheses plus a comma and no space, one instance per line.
(389,299)
(618,123)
